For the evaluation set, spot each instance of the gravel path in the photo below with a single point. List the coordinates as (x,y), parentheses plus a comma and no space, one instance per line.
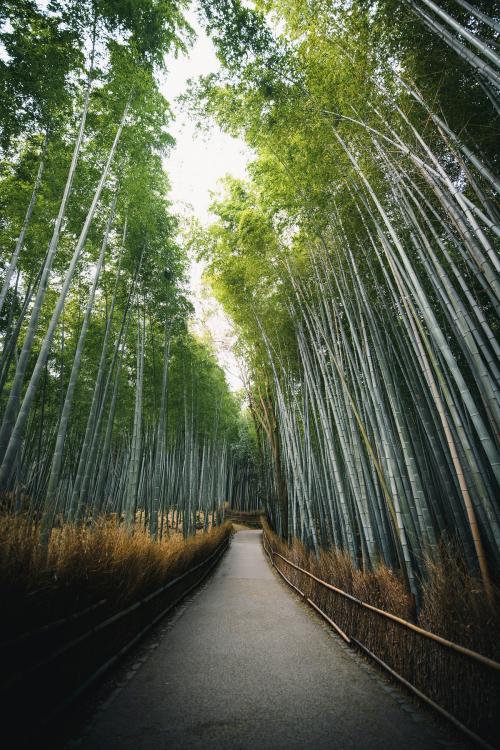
(245,664)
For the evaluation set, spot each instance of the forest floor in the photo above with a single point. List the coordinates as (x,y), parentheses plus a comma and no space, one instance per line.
(86,564)
(243,663)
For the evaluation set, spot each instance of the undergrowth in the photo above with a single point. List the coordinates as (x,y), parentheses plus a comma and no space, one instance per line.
(86,564)
(452,603)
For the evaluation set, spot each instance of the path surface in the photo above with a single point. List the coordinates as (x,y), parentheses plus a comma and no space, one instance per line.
(246,665)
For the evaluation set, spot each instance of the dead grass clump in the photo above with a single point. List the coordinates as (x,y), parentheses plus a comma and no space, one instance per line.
(17,546)
(382,587)
(452,603)
(86,564)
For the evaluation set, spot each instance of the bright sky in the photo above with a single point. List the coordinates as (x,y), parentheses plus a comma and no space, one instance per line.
(194,168)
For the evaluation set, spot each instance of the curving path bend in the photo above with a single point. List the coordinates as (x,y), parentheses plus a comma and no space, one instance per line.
(246,665)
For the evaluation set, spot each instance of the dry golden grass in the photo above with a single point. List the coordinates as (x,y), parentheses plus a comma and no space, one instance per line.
(86,564)
(452,603)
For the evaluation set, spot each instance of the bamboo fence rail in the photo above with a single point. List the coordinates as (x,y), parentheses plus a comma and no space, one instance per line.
(460,684)
(76,658)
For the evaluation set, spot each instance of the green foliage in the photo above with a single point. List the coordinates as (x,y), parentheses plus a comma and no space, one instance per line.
(42,56)
(111,399)
(349,264)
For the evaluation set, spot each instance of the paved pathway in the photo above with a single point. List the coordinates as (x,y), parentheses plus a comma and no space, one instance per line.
(246,665)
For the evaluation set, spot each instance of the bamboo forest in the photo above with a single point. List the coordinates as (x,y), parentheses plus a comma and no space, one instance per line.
(351,266)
